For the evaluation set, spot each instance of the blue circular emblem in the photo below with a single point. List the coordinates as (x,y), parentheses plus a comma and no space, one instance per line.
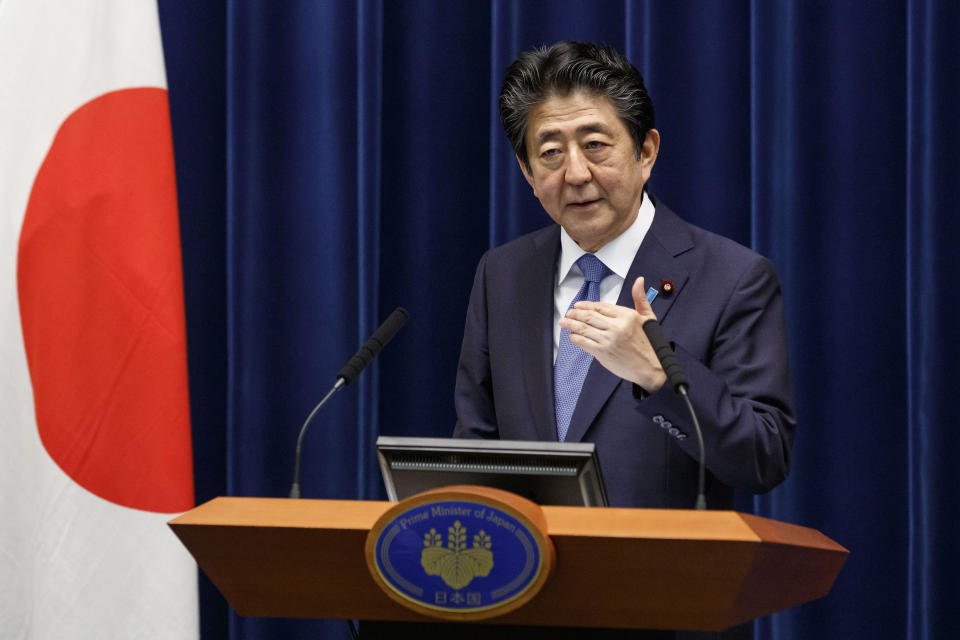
(457,555)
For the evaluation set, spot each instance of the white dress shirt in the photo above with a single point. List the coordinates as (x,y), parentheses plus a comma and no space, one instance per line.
(618,255)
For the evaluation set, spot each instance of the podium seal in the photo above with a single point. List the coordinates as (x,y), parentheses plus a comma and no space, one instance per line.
(461,553)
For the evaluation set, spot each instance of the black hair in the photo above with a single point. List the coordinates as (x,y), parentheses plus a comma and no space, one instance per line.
(565,67)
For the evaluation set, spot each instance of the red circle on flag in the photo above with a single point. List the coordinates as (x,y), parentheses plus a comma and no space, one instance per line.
(101,304)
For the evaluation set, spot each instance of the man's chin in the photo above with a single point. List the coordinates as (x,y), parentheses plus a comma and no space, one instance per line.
(589,238)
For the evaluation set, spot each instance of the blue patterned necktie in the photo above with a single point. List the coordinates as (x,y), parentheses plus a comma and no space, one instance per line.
(572,361)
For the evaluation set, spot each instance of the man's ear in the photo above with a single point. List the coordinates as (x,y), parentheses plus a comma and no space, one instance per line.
(649,151)
(526,174)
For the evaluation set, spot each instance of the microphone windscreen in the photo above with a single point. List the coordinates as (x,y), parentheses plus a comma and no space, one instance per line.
(666,355)
(365,355)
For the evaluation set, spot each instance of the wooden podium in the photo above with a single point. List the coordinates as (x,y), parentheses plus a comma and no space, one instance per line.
(628,568)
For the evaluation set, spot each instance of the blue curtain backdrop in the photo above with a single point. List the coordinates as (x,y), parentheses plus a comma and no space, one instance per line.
(337,159)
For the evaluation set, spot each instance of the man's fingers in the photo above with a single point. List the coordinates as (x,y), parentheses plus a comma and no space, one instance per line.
(605,308)
(593,318)
(582,329)
(584,343)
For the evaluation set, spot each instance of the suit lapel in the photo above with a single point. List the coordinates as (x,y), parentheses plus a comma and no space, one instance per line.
(667,238)
(535,309)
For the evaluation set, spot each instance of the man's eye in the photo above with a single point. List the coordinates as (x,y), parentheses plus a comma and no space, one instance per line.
(549,153)
(594,144)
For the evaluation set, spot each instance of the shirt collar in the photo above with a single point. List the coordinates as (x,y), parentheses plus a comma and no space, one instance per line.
(618,254)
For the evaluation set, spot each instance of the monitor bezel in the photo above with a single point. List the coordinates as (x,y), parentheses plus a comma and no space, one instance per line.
(592,492)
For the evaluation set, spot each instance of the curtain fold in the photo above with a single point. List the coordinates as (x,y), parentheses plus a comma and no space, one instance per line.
(931,229)
(336,160)
(369,117)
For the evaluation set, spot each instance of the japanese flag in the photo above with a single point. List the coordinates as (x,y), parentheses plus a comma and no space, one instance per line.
(95,449)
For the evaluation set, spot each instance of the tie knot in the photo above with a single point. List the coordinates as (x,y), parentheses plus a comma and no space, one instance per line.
(592,268)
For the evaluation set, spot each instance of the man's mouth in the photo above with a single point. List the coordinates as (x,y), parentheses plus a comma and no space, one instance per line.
(583,204)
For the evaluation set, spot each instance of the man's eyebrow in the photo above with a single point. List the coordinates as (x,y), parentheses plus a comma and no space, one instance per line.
(590,127)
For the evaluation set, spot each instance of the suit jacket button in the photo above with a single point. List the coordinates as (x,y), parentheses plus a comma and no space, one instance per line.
(681,436)
(666,424)
(658,419)
(673,431)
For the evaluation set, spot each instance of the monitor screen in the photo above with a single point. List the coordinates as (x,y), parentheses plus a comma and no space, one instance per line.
(554,473)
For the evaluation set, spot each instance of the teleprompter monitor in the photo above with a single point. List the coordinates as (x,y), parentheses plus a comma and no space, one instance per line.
(554,473)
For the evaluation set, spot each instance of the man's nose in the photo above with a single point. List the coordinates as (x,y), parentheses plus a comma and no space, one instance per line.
(578,172)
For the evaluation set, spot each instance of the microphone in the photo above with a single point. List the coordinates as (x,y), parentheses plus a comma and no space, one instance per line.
(681,384)
(363,357)
(372,347)
(667,356)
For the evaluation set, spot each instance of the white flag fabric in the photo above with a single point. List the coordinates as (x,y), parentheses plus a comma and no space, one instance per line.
(95,450)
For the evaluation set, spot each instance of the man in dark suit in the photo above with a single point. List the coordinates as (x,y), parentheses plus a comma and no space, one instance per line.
(581,124)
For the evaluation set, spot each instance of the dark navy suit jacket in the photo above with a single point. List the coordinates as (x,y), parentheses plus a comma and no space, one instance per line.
(725,316)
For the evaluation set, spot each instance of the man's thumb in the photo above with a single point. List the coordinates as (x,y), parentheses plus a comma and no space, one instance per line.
(640,298)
